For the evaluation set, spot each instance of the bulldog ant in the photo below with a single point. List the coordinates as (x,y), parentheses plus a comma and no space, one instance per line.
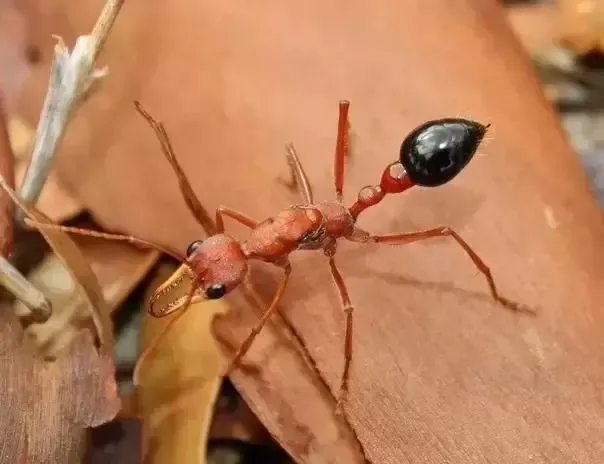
(431,155)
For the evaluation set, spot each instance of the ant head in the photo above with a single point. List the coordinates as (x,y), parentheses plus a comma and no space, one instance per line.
(435,152)
(218,263)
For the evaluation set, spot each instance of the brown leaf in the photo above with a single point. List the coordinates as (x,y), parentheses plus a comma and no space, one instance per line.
(92,304)
(118,267)
(234,420)
(78,390)
(538,26)
(580,24)
(51,403)
(440,373)
(7,171)
(21,137)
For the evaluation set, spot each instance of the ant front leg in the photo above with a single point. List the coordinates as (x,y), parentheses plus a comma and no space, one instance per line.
(348,309)
(268,312)
(404,239)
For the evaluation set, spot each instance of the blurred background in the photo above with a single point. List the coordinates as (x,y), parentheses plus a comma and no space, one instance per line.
(564,39)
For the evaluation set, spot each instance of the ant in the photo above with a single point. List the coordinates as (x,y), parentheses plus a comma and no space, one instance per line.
(431,155)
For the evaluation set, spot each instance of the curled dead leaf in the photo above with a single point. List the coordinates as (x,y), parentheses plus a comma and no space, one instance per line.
(78,390)
(179,385)
(7,171)
(73,260)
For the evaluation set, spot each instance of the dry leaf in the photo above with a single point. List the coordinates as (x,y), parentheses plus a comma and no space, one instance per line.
(234,420)
(21,136)
(119,268)
(7,163)
(78,390)
(180,382)
(87,286)
(581,24)
(537,25)
(52,403)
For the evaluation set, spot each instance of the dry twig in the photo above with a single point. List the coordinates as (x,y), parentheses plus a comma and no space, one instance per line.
(71,75)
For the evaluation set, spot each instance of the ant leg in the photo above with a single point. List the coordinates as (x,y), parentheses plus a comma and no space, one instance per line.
(247,368)
(268,312)
(199,212)
(236,215)
(404,239)
(93,233)
(348,309)
(299,179)
(341,149)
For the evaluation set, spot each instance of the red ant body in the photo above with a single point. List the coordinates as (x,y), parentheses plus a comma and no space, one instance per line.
(431,155)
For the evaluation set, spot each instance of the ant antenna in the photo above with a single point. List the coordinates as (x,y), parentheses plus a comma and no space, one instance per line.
(195,206)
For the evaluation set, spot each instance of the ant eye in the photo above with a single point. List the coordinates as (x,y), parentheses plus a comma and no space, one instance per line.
(192,247)
(215,291)
(435,152)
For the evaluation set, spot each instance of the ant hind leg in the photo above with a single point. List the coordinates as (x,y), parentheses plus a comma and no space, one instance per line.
(406,238)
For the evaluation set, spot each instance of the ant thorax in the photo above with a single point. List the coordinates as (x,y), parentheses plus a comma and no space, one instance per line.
(300,227)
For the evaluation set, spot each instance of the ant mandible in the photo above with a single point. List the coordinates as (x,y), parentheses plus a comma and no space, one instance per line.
(431,155)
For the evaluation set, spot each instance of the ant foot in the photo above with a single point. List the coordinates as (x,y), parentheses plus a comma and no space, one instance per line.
(516,307)
(340,400)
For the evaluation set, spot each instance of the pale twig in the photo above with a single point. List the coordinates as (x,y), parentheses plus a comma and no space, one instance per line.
(12,280)
(71,76)
(19,286)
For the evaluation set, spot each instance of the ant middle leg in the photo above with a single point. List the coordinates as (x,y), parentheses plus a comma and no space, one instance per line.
(406,238)
(348,310)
